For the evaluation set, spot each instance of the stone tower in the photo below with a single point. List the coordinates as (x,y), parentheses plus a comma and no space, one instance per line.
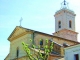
(65,23)
(64,18)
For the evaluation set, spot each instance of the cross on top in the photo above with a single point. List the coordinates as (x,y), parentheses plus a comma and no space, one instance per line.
(21,21)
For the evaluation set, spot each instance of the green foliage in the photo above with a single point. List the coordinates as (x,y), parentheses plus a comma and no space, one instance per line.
(40,56)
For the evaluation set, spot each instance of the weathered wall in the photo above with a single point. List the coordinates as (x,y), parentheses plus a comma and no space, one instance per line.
(41,36)
(53,57)
(71,51)
(18,43)
(67,34)
(61,41)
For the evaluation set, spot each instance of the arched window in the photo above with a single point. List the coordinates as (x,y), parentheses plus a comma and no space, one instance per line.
(41,43)
(59,24)
(70,24)
(17,52)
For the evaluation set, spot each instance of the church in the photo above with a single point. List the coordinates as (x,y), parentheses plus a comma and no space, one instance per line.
(64,37)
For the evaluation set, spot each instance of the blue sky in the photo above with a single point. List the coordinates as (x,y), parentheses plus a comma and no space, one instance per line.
(37,15)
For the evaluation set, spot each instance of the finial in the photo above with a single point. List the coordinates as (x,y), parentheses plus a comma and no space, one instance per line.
(64,4)
(21,21)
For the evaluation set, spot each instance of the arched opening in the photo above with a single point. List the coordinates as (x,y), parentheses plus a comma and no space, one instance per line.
(41,43)
(59,24)
(70,24)
(17,52)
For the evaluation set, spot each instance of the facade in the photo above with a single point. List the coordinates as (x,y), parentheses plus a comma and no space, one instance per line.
(63,37)
(64,19)
(65,24)
(20,35)
(72,52)
(64,33)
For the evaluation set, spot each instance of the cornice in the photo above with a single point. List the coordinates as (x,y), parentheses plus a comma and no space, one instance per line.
(20,35)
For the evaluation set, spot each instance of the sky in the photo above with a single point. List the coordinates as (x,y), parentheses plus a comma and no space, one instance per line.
(37,15)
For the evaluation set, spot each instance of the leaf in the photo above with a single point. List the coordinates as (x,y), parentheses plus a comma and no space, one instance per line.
(46,40)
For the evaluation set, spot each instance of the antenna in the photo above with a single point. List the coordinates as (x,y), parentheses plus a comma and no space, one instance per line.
(21,21)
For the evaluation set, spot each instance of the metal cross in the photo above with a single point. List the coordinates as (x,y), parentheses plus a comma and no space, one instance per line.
(21,21)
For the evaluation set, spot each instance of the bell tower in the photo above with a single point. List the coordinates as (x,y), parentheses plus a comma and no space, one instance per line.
(64,18)
(65,23)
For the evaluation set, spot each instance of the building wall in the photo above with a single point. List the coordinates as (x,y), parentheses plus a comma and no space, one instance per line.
(18,43)
(57,48)
(71,51)
(61,59)
(64,15)
(67,34)
(23,58)
(7,58)
(26,38)
(53,57)
(61,41)
(41,36)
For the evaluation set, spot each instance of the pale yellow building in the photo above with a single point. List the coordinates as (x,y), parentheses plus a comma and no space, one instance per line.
(21,34)
(64,35)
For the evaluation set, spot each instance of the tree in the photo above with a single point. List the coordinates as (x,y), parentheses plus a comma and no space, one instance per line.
(41,56)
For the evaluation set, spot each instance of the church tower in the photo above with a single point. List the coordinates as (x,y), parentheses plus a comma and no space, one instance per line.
(64,18)
(65,22)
